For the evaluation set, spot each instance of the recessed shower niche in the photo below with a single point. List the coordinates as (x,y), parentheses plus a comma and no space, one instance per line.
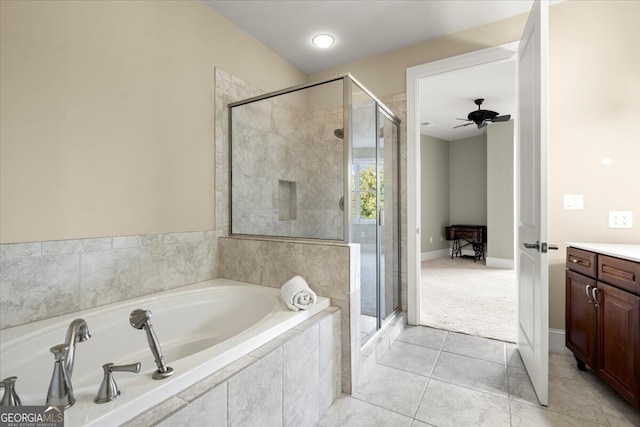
(320,161)
(287,201)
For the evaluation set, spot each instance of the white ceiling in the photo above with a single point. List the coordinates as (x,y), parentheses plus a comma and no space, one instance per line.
(363,28)
(448,96)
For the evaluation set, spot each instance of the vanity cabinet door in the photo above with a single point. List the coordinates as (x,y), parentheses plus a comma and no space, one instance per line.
(619,340)
(581,318)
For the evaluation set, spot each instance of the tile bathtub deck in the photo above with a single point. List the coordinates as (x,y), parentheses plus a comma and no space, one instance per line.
(431,377)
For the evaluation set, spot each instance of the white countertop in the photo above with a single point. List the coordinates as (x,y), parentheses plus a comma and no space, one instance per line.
(618,250)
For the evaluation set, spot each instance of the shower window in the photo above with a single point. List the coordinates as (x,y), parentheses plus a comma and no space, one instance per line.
(365,182)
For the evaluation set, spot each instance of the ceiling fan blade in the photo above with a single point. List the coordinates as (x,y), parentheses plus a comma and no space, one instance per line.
(504,118)
(466,120)
(466,124)
(481,125)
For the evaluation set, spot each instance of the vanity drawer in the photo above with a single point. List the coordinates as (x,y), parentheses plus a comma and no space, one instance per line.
(582,261)
(619,272)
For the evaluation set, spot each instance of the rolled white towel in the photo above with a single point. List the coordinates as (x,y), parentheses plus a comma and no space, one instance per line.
(297,294)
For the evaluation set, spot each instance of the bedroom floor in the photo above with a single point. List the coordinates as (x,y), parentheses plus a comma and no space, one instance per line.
(431,377)
(465,296)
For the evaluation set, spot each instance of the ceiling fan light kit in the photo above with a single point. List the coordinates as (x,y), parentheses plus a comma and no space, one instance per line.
(481,118)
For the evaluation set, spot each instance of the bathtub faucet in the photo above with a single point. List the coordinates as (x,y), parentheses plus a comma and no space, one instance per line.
(78,331)
(139,319)
(60,390)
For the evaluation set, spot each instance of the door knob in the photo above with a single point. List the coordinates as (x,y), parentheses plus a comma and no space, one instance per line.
(541,247)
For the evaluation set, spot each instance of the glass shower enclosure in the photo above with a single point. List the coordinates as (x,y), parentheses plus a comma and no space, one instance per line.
(320,161)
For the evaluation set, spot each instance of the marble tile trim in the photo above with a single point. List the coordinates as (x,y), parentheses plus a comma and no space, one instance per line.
(268,384)
(325,266)
(40,280)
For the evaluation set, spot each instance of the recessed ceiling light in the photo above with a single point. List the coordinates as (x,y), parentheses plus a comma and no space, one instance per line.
(323,41)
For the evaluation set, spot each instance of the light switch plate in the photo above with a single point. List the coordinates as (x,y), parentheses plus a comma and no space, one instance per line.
(620,219)
(573,202)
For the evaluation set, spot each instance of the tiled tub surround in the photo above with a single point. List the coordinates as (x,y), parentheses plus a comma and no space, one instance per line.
(291,381)
(329,268)
(39,280)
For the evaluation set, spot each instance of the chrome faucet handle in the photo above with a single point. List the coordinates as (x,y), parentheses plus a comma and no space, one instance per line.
(10,397)
(109,389)
(60,391)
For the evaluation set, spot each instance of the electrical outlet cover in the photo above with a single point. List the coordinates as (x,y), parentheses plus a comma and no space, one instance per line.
(620,219)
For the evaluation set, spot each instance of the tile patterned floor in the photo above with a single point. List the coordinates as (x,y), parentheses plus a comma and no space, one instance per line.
(431,377)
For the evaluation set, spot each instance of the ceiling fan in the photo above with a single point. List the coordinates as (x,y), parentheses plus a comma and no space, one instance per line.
(482,117)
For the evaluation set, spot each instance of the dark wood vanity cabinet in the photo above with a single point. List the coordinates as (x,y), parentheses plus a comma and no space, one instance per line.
(603,318)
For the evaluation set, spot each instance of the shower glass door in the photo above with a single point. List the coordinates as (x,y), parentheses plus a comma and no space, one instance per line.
(364,205)
(388,218)
(374,222)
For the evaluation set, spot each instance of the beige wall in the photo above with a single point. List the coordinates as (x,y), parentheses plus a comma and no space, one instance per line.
(434,186)
(594,88)
(500,187)
(106,114)
(468,180)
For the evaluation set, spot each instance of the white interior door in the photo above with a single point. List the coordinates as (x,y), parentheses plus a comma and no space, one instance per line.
(533,265)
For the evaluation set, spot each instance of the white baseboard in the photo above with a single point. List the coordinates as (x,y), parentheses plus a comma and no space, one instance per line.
(507,264)
(440,253)
(557,342)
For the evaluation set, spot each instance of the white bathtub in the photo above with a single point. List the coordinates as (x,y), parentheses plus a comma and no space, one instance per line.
(201,328)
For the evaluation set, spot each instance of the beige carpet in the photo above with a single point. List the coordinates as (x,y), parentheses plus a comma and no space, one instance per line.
(462,296)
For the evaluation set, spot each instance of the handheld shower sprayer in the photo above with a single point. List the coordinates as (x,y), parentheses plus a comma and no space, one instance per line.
(139,319)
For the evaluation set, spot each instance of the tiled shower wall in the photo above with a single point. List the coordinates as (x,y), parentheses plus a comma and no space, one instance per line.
(40,280)
(281,150)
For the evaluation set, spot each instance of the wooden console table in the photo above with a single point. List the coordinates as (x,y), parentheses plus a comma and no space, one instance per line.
(474,235)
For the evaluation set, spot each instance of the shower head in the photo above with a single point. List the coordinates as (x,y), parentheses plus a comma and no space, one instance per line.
(339,133)
(139,318)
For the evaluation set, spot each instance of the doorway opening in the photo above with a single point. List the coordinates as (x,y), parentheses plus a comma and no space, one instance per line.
(467,177)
